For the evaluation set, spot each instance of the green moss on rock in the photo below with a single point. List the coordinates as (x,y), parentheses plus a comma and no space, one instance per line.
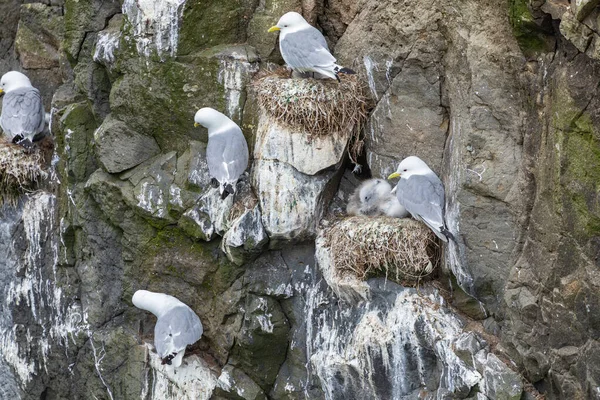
(208,24)
(527,33)
(582,177)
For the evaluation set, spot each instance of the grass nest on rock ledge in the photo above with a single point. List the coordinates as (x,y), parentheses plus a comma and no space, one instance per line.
(20,171)
(403,250)
(316,106)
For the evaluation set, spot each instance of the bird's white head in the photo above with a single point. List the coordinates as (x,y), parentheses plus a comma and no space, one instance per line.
(156,303)
(211,119)
(13,80)
(412,165)
(289,22)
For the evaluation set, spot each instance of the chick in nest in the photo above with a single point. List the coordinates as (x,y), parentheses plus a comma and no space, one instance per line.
(373,198)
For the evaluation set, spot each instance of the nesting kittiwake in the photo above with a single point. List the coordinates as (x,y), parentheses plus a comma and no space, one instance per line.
(372,198)
(23,114)
(304,48)
(176,327)
(227,150)
(421,192)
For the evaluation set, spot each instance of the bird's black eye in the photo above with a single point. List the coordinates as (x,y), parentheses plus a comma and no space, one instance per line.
(405,170)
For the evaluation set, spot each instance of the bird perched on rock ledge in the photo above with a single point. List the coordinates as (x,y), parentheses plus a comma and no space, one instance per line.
(23,114)
(304,48)
(227,150)
(176,327)
(421,192)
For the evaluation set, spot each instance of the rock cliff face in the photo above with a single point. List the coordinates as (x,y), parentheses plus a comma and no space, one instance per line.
(501,99)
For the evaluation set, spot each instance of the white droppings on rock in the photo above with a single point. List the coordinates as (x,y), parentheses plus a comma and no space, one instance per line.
(193,380)
(106,45)
(370,66)
(151,198)
(234,73)
(265,322)
(48,307)
(155,25)
(98,357)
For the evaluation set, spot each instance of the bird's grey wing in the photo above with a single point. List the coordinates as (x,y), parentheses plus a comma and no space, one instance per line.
(423,197)
(175,330)
(22,113)
(227,155)
(306,49)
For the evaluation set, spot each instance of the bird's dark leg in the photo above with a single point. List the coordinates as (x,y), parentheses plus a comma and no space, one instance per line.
(168,359)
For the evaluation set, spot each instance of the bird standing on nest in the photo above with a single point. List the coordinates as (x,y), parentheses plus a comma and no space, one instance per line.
(23,114)
(421,192)
(304,48)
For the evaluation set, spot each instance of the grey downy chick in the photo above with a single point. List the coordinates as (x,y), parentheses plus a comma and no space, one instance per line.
(374,198)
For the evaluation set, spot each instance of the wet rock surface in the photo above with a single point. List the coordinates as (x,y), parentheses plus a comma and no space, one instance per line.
(501,99)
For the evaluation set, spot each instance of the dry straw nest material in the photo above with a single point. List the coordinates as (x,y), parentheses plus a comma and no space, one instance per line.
(403,250)
(20,171)
(316,106)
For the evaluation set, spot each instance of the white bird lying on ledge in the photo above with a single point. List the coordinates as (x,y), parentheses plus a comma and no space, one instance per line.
(177,325)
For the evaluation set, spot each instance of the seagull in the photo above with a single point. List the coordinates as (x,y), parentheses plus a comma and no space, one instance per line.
(304,48)
(176,327)
(421,192)
(23,114)
(227,150)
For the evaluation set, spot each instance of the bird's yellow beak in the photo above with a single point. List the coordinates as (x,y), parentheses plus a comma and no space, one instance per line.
(273,29)
(394,175)
(196,124)
(1,92)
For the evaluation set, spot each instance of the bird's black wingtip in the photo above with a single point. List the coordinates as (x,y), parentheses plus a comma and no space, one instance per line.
(347,71)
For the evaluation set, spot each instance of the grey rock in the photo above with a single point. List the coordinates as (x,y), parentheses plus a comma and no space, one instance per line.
(293,202)
(307,154)
(237,385)
(245,238)
(119,148)
(40,32)
(260,346)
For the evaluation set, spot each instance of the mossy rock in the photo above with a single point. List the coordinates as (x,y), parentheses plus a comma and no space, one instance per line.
(74,140)
(530,36)
(40,32)
(160,99)
(208,24)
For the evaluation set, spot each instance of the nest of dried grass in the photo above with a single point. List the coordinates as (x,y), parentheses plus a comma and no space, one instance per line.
(403,250)
(316,106)
(20,171)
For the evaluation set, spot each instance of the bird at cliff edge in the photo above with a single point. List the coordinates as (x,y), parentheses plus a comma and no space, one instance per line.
(374,197)
(304,48)
(421,192)
(226,152)
(176,327)
(23,114)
